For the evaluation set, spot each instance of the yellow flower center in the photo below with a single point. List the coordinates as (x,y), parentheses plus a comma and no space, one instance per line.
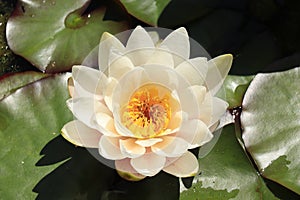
(148,111)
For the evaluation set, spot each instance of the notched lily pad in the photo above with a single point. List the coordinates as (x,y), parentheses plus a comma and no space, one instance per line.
(270,119)
(147,11)
(54,34)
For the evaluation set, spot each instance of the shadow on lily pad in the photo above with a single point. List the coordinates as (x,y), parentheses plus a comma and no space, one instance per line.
(82,176)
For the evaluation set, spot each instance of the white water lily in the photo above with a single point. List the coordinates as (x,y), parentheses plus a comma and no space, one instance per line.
(148,104)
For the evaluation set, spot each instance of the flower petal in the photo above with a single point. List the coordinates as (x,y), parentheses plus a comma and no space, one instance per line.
(161,56)
(105,124)
(131,149)
(79,134)
(195,132)
(185,166)
(148,142)
(88,82)
(170,146)
(206,109)
(126,171)
(199,92)
(119,66)
(154,36)
(149,164)
(218,109)
(107,42)
(193,70)
(108,92)
(109,148)
(218,69)
(179,45)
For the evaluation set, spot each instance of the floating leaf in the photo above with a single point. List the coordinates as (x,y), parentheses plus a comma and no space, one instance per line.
(54,34)
(147,11)
(226,173)
(270,120)
(29,119)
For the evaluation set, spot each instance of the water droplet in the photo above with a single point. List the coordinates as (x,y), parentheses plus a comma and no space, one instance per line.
(44,1)
(1,23)
(53,3)
(89,16)
(33,15)
(22,162)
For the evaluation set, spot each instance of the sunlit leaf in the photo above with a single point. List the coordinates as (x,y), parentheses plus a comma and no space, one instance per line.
(53,34)
(270,120)
(147,11)
(226,173)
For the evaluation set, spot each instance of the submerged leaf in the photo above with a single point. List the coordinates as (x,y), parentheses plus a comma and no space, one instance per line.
(270,119)
(54,35)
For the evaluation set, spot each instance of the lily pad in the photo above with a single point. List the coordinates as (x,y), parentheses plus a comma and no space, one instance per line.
(270,119)
(147,11)
(54,35)
(226,173)
(29,118)
(12,82)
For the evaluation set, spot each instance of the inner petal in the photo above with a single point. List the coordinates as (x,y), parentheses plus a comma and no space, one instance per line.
(149,110)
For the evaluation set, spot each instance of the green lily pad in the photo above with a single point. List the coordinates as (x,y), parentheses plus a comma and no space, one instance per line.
(226,173)
(54,35)
(12,82)
(29,119)
(235,88)
(270,119)
(147,11)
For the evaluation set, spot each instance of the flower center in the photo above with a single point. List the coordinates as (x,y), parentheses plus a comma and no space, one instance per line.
(148,111)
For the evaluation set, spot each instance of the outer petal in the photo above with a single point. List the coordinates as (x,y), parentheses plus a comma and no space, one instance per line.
(79,134)
(88,82)
(108,92)
(148,142)
(195,132)
(131,149)
(185,166)
(107,42)
(178,43)
(161,56)
(109,148)
(206,109)
(149,164)
(105,123)
(126,171)
(218,69)
(219,108)
(170,146)
(119,66)
(193,70)
(199,92)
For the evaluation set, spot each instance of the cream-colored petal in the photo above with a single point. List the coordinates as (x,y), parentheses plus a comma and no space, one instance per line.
(109,148)
(83,109)
(185,166)
(148,142)
(154,36)
(195,132)
(193,70)
(107,42)
(170,146)
(161,56)
(199,92)
(106,125)
(218,109)
(139,39)
(79,134)
(131,149)
(206,109)
(108,92)
(88,82)
(149,164)
(119,66)
(179,45)
(218,69)
(126,171)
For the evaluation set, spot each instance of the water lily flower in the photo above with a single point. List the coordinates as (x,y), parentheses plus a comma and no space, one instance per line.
(148,103)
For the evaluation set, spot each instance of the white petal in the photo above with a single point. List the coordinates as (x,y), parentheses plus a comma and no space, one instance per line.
(83,109)
(131,149)
(106,125)
(107,42)
(218,109)
(149,164)
(193,70)
(161,56)
(218,69)
(79,134)
(154,36)
(139,39)
(170,146)
(126,171)
(109,148)
(108,92)
(206,109)
(178,43)
(195,132)
(199,92)
(185,166)
(119,66)
(148,142)
(88,82)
